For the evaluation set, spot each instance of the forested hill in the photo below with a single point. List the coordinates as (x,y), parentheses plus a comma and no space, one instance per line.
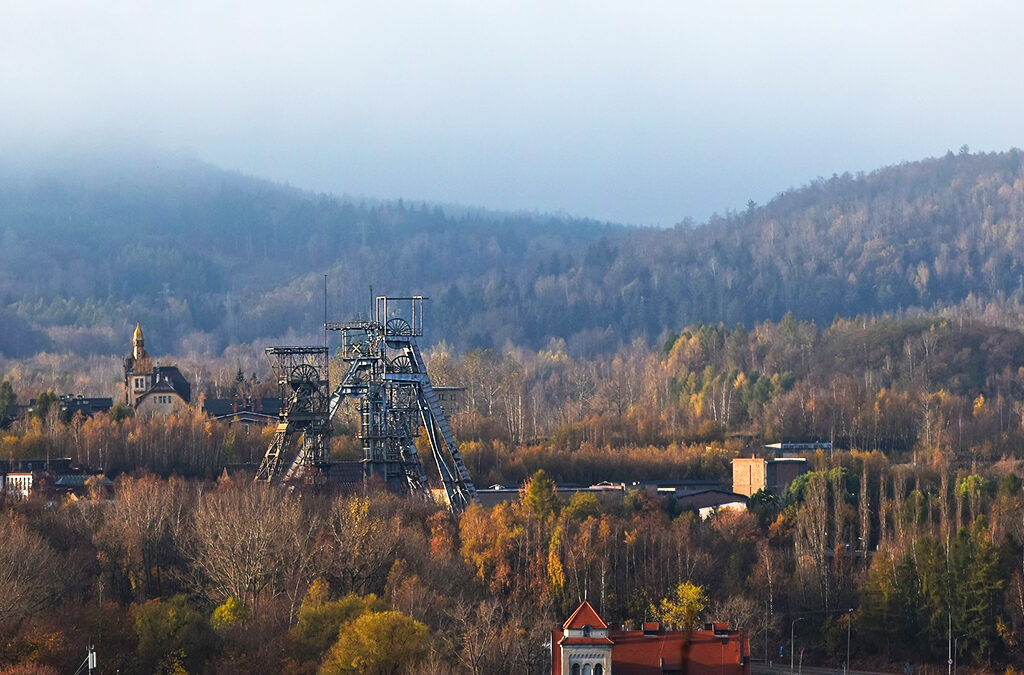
(926,234)
(205,258)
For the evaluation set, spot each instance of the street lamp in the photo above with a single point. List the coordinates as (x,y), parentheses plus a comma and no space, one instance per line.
(849,620)
(791,627)
(766,631)
(954,651)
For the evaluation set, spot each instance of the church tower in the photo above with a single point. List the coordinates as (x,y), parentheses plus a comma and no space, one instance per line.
(138,369)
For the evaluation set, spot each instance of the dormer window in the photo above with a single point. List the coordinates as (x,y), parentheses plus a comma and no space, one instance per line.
(586,631)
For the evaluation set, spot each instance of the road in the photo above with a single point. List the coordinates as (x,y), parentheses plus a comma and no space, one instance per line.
(781,669)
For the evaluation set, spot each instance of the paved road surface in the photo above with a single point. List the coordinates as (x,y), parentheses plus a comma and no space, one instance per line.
(783,669)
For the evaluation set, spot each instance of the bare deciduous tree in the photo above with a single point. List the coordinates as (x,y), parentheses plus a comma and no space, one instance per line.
(245,542)
(30,572)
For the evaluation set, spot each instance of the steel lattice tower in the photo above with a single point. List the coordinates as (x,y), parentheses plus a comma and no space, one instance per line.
(304,426)
(386,373)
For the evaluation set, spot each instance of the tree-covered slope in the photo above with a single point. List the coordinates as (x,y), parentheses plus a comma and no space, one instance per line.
(207,257)
(930,235)
(921,234)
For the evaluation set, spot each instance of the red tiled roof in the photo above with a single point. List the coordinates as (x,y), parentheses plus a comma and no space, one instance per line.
(637,654)
(584,616)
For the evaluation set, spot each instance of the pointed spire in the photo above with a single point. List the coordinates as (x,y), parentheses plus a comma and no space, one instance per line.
(138,343)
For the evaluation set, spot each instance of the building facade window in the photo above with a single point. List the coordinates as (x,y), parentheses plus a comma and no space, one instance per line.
(575,669)
(586,670)
(598,669)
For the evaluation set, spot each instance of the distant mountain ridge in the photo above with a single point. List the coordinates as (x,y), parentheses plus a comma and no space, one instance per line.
(207,257)
(211,257)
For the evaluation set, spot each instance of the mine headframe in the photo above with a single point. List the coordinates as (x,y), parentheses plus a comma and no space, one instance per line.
(386,373)
(301,448)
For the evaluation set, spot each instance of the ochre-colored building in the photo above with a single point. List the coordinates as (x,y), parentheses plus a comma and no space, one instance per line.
(586,645)
(750,474)
(152,389)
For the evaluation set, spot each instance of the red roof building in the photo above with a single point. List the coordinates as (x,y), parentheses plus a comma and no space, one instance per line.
(587,646)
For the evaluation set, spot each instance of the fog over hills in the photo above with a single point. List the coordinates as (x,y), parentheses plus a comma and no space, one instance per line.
(206,257)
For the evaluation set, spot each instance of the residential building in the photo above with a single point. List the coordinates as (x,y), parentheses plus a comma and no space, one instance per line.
(18,485)
(49,478)
(244,410)
(149,388)
(71,405)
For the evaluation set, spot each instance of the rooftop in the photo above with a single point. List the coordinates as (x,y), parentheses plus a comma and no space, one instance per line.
(585,615)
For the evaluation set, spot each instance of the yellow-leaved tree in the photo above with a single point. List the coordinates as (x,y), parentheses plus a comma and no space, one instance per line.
(682,608)
(378,643)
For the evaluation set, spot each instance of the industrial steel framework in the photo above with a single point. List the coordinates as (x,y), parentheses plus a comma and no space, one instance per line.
(386,373)
(305,425)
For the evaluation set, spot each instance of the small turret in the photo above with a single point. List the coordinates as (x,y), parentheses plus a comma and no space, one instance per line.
(138,343)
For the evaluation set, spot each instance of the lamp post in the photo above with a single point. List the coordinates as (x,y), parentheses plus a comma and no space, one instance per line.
(766,631)
(949,644)
(954,651)
(791,627)
(849,620)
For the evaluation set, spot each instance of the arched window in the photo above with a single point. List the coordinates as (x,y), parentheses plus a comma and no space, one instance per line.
(586,670)
(598,669)
(575,669)
(586,631)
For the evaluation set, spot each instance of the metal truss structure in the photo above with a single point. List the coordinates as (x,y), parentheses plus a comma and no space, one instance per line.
(386,373)
(303,431)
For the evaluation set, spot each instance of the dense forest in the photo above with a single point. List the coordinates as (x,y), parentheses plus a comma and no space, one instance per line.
(919,389)
(207,258)
(172,576)
(910,530)
(877,312)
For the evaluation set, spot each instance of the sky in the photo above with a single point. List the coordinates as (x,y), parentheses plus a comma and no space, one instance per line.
(645,113)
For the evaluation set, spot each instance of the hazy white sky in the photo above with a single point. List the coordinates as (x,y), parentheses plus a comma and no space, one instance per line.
(638,112)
